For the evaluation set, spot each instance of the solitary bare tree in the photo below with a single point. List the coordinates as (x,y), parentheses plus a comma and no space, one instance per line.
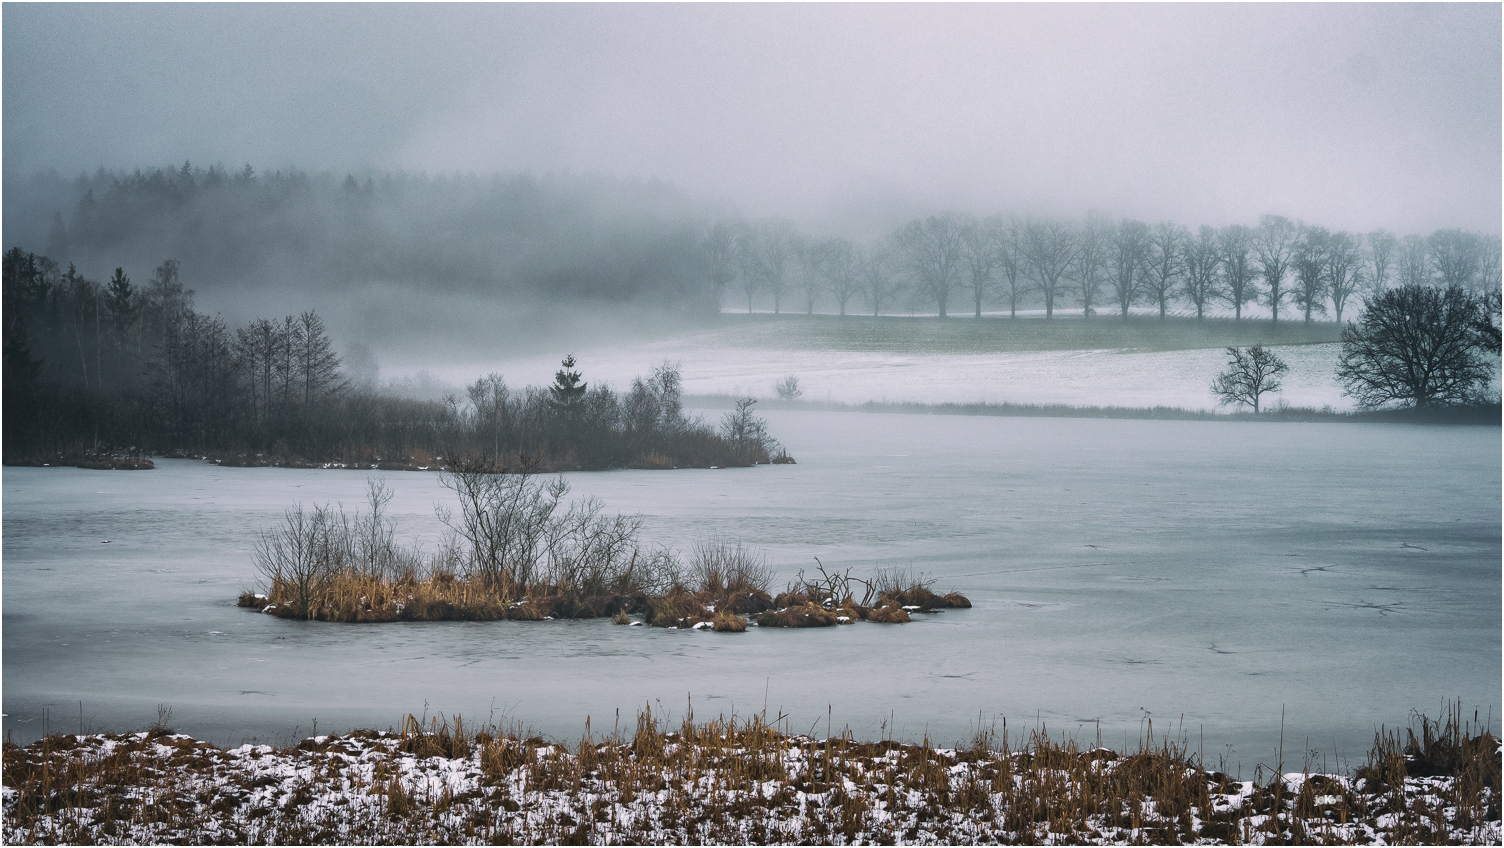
(1274,244)
(1418,345)
(1250,373)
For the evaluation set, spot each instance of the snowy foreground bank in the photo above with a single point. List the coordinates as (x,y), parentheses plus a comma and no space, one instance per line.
(719,783)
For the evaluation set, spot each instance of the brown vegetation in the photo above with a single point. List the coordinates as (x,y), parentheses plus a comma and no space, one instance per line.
(730,781)
(517,551)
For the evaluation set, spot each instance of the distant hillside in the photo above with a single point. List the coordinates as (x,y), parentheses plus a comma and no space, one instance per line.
(558,236)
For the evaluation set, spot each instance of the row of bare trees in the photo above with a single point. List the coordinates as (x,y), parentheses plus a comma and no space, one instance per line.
(1095,263)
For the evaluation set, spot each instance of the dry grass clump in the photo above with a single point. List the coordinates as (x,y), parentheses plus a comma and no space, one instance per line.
(807,614)
(890,614)
(829,598)
(726,781)
(517,551)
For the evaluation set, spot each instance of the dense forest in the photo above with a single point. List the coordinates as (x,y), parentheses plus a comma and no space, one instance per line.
(94,368)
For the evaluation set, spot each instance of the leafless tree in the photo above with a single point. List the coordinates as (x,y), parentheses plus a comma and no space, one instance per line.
(1454,255)
(1165,262)
(1012,261)
(1381,249)
(1414,261)
(491,404)
(842,270)
(775,249)
(504,522)
(809,267)
(930,252)
(1274,243)
(1202,259)
(1129,254)
(1236,244)
(877,280)
(1091,259)
(718,255)
(1489,255)
(1309,260)
(979,256)
(1250,373)
(747,433)
(1050,246)
(749,264)
(1344,269)
(1417,345)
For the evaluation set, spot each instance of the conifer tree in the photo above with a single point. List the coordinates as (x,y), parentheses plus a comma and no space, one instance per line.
(567,392)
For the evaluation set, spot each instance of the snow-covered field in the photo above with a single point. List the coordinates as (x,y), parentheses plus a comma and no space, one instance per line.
(1079,378)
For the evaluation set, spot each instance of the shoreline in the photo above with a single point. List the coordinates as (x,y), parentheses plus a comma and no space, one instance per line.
(730,781)
(1485,415)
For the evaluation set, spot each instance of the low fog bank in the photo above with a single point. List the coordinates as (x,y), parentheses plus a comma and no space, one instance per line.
(405,256)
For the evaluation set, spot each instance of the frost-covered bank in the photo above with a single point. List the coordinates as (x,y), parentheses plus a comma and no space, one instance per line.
(724,782)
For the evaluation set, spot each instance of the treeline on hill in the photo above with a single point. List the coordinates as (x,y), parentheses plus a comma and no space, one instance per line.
(93,368)
(616,240)
(1095,264)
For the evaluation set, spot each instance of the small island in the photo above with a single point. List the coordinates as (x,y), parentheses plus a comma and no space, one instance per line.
(516,550)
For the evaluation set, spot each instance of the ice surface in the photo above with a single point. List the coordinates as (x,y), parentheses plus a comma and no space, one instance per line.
(1122,572)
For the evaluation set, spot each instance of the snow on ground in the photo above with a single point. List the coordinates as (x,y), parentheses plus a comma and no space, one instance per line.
(755,787)
(1080,378)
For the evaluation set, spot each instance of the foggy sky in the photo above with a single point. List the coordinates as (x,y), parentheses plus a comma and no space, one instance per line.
(843,117)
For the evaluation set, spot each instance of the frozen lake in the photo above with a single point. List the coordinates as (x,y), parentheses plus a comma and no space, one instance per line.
(1222,571)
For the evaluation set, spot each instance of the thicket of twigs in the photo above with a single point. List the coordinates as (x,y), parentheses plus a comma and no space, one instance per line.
(732,781)
(516,549)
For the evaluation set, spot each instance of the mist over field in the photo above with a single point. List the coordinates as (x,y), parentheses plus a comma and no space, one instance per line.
(534,164)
